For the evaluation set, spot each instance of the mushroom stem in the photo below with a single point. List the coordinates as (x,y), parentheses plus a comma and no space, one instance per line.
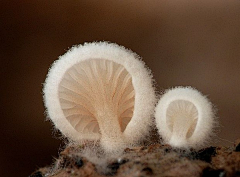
(112,139)
(181,126)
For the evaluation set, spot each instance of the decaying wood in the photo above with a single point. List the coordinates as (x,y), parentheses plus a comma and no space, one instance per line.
(154,160)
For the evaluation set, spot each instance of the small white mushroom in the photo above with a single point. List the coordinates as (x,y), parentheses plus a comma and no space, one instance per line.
(185,118)
(100,91)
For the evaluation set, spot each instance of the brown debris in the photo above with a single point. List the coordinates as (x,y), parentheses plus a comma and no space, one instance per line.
(153,160)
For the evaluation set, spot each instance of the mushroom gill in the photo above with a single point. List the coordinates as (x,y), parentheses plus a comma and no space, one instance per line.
(181,118)
(97,97)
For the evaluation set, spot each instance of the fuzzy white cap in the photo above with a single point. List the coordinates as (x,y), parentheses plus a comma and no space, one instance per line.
(145,97)
(185,118)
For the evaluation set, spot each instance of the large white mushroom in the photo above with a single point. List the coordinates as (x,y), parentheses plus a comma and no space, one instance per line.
(100,91)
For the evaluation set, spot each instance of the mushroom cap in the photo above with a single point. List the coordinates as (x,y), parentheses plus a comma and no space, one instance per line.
(88,77)
(184,117)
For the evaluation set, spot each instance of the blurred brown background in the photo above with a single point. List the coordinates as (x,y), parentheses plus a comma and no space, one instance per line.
(183,42)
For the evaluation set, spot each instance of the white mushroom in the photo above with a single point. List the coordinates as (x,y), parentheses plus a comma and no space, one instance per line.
(185,118)
(100,91)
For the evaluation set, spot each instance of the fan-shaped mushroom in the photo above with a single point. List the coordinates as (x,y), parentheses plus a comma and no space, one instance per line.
(100,91)
(184,117)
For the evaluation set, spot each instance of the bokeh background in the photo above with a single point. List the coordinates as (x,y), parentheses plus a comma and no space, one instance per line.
(194,43)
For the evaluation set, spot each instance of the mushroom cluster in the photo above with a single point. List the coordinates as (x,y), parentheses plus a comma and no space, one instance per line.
(104,92)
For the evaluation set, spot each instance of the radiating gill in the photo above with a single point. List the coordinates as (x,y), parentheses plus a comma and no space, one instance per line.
(96,86)
(182,117)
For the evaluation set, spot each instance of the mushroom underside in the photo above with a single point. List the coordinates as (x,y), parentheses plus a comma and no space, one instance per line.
(97,90)
(181,118)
